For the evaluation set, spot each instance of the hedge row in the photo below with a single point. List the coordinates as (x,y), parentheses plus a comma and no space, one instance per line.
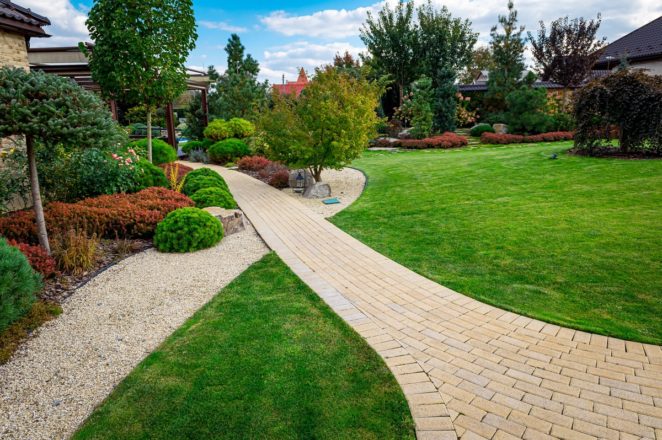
(446,140)
(494,138)
(119,215)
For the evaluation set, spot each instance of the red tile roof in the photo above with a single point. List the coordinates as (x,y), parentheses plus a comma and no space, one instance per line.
(293,87)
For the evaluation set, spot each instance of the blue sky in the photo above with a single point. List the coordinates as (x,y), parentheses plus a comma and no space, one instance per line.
(286,35)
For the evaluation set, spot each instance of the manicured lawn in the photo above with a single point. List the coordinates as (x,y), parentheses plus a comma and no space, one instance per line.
(575,241)
(265,359)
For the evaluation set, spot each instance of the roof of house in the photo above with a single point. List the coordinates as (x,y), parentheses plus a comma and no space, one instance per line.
(640,44)
(482,86)
(20,20)
(293,87)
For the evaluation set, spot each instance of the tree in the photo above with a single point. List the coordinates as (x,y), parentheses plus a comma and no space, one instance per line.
(328,126)
(481,60)
(140,48)
(51,110)
(238,93)
(508,54)
(392,40)
(567,55)
(527,111)
(195,118)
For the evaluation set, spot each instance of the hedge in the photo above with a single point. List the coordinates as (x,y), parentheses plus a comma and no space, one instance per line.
(494,138)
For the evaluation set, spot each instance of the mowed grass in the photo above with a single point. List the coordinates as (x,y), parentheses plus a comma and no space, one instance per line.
(574,241)
(265,359)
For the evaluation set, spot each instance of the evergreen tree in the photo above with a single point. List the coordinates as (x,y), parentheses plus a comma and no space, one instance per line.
(508,56)
(237,93)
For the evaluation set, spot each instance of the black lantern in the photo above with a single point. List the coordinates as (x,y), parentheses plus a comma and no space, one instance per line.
(300,184)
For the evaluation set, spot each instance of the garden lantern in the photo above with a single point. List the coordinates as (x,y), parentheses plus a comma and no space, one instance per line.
(300,184)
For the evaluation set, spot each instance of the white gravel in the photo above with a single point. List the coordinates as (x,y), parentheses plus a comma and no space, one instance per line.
(108,326)
(346,185)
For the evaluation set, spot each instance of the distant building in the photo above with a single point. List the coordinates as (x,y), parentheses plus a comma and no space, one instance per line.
(17,26)
(293,87)
(642,48)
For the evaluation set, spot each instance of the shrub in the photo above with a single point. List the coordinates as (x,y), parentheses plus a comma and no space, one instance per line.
(213,196)
(39,260)
(162,152)
(18,284)
(205,172)
(479,129)
(196,183)
(493,138)
(188,230)
(198,156)
(75,252)
(527,111)
(253,163)
(217,130)
(150,175)
(175,174)
(227,150)
(446,140)
(240,128)
(111,216)
(193,145)
(279,178)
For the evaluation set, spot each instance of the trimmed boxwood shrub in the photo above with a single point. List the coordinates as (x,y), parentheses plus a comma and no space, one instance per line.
(213,196)
(162,152)
(479,129)
(188,230)
(197,145)
(150,175)
(18,284)
(194,184)
(553,136)
(224,151)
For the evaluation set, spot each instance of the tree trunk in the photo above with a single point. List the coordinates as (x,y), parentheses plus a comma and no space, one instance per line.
(317,173)
(36,196)
(401,94)
(149,134)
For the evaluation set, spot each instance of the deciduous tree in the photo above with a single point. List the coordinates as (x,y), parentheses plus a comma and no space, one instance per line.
(140,48)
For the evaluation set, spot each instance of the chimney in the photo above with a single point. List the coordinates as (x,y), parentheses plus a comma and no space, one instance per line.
(283,79)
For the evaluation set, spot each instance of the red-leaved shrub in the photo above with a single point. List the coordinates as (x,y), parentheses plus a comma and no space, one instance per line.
(253,163)
(111,216)
(494,138)
(446,140)
(38,258)
(182,170)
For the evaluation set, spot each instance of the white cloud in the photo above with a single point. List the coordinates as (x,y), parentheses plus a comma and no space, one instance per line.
(222,26)
(287,60)
(68,22)
(330,23)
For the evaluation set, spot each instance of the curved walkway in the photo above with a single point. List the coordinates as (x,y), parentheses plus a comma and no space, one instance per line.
(468,369)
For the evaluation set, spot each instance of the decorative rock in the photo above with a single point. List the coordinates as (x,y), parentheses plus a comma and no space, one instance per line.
(317,190)
(500,128)
(232,219)
(405,134)
(307,178)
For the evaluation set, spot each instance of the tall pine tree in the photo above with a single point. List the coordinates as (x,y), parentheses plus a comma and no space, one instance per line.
(505,74)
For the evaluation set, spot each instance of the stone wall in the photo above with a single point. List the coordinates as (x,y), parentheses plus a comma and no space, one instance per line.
(13,50)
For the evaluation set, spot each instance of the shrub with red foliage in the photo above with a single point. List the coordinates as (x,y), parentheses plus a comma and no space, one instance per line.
(494,138)
(38,258)
(253,163)
(280,178)
(182,171)
(118,215)
(446,140)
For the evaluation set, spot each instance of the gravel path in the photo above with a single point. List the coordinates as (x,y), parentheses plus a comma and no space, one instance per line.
(346,184)
(108,326)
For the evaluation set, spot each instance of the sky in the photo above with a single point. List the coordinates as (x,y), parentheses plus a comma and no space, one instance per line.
(287,35)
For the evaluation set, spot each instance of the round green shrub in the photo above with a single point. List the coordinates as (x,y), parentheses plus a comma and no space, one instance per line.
(227,150)
(240,128)
(217,130)
(162,152)
(18,284)
(196,183)
(479,129)
(204,172)
(150,175)
(188,230)
(213,196)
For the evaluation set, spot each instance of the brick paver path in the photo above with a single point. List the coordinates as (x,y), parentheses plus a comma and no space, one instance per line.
(468,370)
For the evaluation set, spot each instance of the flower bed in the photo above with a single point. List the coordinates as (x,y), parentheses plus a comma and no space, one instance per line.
(443,141)
(494,138)
(120,215)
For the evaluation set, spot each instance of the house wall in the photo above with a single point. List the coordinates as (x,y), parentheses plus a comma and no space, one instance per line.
(652,67)
(13,50)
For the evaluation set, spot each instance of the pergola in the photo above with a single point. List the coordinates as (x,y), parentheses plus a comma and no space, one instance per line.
(70,62)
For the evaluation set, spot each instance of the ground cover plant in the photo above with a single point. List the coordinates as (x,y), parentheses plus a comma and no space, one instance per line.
(266,358)
(576,241)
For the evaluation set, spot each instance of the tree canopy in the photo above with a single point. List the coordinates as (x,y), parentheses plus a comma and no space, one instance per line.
(567,55)
(328,126)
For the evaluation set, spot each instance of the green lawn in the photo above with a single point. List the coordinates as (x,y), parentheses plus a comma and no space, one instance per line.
(575,241)
(265,359)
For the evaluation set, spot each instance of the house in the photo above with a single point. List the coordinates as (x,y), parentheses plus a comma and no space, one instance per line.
(480,84)
(293,87)
(642,48)
(17,26)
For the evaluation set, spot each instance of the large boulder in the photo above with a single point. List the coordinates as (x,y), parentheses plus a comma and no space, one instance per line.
(317,190)
(232,219)
(500,128)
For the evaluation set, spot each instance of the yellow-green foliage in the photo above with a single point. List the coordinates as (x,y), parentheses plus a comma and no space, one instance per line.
(220,129)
